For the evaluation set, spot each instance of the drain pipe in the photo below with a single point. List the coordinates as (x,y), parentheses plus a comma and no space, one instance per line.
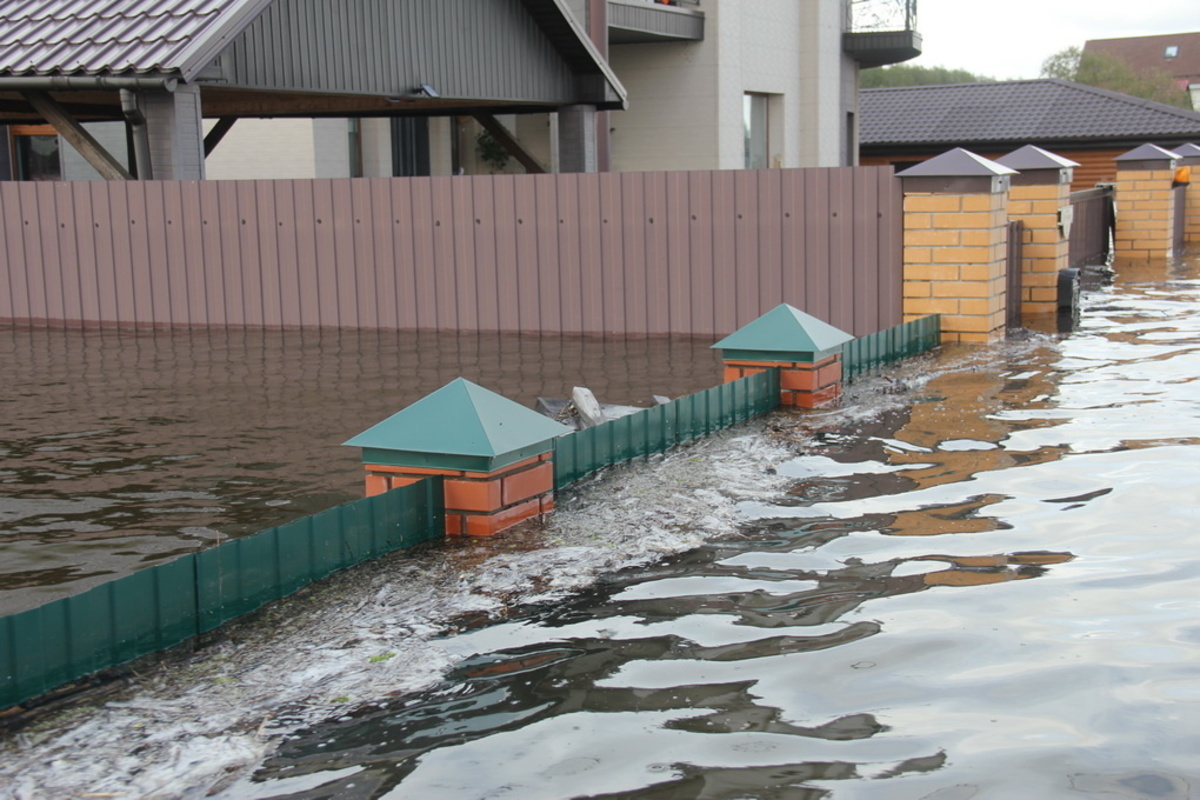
(140,131)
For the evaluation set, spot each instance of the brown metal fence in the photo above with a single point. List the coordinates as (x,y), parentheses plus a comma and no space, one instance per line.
(1091,227)
(1013,267)
(625,253)
(1180,220)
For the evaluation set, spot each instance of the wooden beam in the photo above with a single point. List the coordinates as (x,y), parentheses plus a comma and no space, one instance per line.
(214,136)
(68,128)
(513,145)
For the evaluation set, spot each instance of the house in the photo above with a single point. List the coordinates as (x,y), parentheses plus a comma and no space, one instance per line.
(157,70)
(1176,54)
(905,125)
(517,85)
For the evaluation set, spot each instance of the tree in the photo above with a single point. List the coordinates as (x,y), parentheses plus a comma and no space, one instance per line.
(913,75)
(1109,72)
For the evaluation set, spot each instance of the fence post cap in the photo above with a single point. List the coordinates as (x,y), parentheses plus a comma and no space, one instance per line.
(1147,152)
(461,420)
(956,163)
(1033,157)
(784,333)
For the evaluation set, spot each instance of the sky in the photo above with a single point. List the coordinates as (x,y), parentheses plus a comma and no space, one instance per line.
(1007,39)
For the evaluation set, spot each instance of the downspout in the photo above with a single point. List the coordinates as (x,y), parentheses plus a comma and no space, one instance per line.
(143,170)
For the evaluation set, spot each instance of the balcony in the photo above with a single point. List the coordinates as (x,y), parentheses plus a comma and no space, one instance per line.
(881,32)
(645,21)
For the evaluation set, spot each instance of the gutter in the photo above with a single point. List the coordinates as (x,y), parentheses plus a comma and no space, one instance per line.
(50,83)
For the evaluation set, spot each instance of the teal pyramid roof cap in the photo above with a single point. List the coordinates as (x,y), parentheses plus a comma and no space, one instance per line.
(784,331)
(460,426)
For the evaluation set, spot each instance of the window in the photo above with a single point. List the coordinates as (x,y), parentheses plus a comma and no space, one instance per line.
(754,120)
(1171,51)
(35,155)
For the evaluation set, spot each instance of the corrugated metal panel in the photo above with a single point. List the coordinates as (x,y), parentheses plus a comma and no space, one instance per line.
(463,48)
(645,22)
(47,37)
(698,253)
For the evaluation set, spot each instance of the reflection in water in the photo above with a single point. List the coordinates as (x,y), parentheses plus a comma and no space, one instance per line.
(123,448)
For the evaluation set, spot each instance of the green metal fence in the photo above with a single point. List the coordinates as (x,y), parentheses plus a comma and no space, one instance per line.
(903,341)
(163,605)
(656,429)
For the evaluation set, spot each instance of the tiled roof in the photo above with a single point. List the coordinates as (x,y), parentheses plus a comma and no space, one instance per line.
(1145,53)
(1014,112)
(90,37)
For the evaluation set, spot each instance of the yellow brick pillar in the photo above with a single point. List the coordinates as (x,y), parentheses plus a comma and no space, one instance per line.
(1189,158)
(955,244)
(1040,196)
(1145,201)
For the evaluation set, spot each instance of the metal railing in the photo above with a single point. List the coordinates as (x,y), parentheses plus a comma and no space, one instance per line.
(881,15)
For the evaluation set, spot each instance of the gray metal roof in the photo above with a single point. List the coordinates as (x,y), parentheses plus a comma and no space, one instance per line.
(956,163)
(1032,157)
(1016,112)
(90,37)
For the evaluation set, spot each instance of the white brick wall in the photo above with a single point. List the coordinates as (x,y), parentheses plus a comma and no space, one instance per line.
(262,149)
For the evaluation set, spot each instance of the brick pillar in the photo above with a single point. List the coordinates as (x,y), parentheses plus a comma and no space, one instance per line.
(1145,203)
(955,244)
(495,456)
(805,350)
(1040,196)
(1189,157)
(479,503)
(802,384)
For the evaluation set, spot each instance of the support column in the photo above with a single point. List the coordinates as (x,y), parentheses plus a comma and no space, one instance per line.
(955,244)
(175,130)
(577,139)
(1145,203)
(1189,157)
(1040,196)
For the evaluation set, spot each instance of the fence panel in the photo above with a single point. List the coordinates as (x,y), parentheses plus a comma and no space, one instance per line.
(656,429)
(1093,219)
(166,604)
(867,353)
(694,253)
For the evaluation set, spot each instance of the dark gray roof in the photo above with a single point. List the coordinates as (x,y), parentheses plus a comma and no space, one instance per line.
(1016,112)
(113,37)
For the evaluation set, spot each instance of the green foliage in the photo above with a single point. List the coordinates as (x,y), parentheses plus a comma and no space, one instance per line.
(1105,71)
(491,151)
(913,75)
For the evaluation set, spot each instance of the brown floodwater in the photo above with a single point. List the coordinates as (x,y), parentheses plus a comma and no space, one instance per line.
(976,578)
(982,581)
(120,448)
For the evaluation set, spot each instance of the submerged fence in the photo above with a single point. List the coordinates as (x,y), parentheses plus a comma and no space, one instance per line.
(657,429)
(164,605)
(161,606)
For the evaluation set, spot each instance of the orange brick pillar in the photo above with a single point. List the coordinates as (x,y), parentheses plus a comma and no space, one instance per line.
(1189,158)
(495,456)
(1040,196)
(805,350)
(955,244)
(1145,201)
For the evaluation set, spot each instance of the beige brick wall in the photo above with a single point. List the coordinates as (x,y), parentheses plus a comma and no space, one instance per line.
(954,262)
(1045,250)
(1191,225)
(1145,213)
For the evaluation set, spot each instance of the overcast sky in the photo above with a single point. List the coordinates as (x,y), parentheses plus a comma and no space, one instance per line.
(1008,39)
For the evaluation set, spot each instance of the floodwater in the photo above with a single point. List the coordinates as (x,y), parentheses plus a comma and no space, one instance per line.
(978,578)
(120,448)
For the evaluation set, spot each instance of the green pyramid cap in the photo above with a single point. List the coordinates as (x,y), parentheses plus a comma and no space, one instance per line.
(460,426)
(783,334)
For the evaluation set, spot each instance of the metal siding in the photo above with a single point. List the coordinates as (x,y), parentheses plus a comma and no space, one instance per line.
(690,253)
(463,48)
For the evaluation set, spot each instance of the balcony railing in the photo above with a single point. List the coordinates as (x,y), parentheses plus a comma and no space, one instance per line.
(879,32)
(881,15)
